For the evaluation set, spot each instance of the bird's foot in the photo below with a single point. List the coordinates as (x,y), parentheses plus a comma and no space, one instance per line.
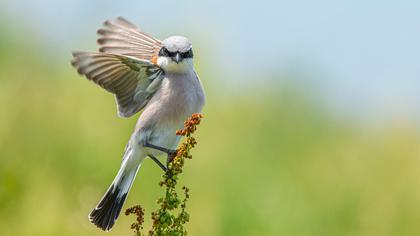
(171,155)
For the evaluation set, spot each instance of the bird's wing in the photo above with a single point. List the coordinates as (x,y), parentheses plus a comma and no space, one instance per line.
(121,37)
(133,81)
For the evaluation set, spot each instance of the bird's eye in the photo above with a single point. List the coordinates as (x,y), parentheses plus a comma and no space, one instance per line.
(164,52)
(188,54)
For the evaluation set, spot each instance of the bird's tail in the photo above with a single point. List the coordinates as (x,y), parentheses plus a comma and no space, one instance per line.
(106,212)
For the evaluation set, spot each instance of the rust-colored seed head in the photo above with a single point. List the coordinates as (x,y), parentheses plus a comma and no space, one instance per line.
(190,125)
(139,212)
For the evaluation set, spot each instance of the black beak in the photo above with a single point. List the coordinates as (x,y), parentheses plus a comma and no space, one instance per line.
(177,58)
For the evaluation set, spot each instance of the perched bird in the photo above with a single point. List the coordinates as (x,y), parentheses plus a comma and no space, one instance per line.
(148,75)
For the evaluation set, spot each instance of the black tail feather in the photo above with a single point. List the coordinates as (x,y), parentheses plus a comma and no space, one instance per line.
(108,209)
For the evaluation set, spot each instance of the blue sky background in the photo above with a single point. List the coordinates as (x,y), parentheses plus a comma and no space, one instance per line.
(363,56)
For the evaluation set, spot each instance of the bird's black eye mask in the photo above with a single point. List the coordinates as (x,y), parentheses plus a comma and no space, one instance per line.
(166,53)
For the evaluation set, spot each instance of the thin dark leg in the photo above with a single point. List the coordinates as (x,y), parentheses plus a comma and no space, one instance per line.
(166,150)
(158,162)
(171,154)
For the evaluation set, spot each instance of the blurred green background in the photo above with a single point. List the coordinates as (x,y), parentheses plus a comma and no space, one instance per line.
(284,149)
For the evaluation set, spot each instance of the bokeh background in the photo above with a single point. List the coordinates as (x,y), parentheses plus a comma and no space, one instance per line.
(311,123)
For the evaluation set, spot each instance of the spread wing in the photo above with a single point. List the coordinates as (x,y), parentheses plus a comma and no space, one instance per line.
(132,81)
(125,65)
(120,37)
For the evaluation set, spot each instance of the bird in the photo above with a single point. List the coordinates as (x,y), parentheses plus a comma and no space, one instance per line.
(154,78)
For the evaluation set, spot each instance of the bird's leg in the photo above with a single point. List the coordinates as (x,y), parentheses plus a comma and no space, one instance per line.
(165,150)
(162,166)
(171,153)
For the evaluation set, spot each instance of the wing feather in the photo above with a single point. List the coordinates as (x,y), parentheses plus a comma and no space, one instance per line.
(128,78)
(121,37)
(124,65)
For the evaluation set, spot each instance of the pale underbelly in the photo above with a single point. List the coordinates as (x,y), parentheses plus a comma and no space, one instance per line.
(166,113)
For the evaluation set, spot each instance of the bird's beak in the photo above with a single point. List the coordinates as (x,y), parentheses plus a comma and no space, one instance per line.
(177,58)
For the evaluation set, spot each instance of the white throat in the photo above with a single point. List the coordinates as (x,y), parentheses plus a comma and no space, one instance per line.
(168,65)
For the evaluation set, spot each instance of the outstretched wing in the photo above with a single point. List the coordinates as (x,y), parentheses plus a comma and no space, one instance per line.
(133,81)
(125,66)
(121,37)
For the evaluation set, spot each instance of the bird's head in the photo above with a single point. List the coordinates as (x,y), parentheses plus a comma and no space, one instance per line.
(176,55)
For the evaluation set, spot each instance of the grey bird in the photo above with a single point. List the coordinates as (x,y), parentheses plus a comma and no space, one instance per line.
(148,75)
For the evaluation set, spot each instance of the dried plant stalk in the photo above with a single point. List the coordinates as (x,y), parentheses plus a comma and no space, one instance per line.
(171,217)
